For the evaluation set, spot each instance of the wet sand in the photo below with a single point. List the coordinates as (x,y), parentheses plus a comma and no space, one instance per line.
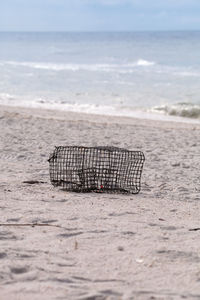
(62,245)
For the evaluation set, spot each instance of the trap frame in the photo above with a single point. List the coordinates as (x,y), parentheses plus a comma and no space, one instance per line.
(96,169)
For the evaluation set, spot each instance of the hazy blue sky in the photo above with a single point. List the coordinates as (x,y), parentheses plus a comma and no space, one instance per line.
(99,15)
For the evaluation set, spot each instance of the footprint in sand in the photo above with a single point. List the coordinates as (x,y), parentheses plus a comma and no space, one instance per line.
(2,255)
(19,270)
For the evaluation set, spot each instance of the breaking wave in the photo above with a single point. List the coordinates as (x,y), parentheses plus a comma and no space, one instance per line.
(83,67)
(186,110)
(142,62)
(162,113)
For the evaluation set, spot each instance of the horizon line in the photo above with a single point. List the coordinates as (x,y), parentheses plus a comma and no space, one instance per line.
(98,31)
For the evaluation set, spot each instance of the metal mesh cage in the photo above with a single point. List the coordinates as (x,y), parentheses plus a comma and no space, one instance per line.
(96,169)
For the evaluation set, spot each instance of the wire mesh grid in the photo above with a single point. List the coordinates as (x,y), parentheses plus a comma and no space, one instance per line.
(96,169)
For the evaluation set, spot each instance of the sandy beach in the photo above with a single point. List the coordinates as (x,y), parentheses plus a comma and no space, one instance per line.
(62,245)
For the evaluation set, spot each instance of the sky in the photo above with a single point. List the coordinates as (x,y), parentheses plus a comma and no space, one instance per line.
(99,15)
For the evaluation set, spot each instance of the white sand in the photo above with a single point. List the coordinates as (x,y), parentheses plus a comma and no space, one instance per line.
(98,246)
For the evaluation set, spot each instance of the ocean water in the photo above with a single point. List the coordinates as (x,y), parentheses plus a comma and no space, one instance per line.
(139,74)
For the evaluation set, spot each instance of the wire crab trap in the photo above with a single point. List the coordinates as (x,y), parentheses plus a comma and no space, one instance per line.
(96,169)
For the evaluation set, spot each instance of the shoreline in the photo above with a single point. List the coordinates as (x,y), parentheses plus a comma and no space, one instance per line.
(62,245)
(84,116)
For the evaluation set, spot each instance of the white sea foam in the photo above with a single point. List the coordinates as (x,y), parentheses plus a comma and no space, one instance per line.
(187,110)
(128,67)
(177,71)
(187,74)
(162,113)
(142,62)
(6,98)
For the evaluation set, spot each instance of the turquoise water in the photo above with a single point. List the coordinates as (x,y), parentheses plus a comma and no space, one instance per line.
(108,73)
